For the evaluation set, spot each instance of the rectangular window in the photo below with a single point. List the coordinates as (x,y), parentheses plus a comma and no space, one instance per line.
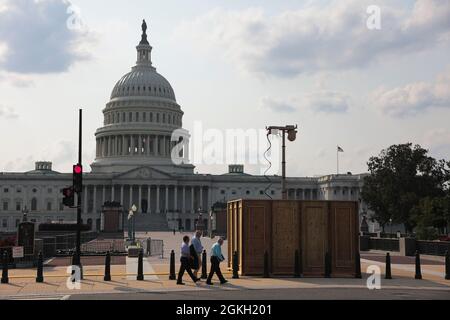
(5,223)
(151,117)
(17,222)
(6,190)
(49,206)
(5,206)
(144,116)
(18,206)
(137,116)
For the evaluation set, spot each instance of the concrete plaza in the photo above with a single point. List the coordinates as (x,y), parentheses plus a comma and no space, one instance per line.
(158,286)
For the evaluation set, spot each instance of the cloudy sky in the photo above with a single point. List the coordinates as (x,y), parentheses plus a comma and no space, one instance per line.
(232,64)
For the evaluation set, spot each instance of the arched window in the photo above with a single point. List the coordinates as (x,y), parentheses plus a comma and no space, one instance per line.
(33,204)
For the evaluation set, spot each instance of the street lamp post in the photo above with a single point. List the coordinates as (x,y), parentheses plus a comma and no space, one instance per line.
(292,136)
(25,214)
(131,216)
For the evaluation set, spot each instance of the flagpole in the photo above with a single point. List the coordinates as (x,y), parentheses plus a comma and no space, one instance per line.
(337,160)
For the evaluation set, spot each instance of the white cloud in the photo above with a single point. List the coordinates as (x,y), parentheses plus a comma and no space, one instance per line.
(36,39)
(327,102)
(414,98)
(7,113)
(278,106)
(315,38)
(321,101)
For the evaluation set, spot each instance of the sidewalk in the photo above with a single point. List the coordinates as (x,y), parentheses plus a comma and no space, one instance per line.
(22,282)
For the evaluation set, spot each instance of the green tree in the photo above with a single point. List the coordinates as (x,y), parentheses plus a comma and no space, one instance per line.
(432,217)
(399,178)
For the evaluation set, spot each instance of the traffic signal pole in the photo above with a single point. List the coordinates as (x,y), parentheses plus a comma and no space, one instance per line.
(80,144)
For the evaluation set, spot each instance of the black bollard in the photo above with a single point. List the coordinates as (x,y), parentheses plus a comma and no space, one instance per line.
(266,265)
(447,265)
(327,265)
(107,276)
(388,274)
(358,266)
(235,265)
(172,275)
(418,275)
(140,275)
(5,278)
(204,266)
(297,273)
(40,269)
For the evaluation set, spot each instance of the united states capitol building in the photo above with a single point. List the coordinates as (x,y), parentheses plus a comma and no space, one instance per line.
(134,165)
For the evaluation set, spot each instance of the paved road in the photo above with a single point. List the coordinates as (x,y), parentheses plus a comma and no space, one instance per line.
(277,294)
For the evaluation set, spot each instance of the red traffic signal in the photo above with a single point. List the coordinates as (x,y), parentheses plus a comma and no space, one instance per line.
(78,177)
(77,169)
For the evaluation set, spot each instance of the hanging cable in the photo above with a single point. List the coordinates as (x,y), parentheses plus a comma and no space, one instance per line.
(270,166)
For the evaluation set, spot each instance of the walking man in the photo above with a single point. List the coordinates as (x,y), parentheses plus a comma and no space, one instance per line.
(197,243)
(216,259)
(185,265)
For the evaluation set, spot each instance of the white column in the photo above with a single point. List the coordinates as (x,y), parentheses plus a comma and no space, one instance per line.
(139,145)
(184,200)
(148,199)
(147,140)
(103,195)
(132,144)
(123,147)
(192,200)
(94,207)
(156,146)
(167,198)
(175,195)
(163,145)
(140,199)
(112,193)
(201,197)
(121,195)
(131,197)
(85,200)
(158,209)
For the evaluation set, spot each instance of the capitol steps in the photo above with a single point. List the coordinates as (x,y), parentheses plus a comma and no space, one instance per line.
(151,222)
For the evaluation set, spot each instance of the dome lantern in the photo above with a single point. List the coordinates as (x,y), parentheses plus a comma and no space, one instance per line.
(144,49)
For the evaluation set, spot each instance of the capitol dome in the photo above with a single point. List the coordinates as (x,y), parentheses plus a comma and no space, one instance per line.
(140,121)
(143,81)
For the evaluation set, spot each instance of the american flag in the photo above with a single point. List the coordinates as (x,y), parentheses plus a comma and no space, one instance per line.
(339,149)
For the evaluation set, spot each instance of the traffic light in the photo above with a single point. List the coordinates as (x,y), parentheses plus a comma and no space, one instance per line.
(77,178)
(69,197)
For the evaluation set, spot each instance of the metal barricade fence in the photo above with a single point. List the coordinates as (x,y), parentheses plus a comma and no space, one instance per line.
(154,247)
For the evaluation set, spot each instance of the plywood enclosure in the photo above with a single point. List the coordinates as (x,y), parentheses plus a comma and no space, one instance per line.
(282,227)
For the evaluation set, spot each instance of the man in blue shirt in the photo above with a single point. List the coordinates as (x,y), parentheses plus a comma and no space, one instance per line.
(197,243)
(185,257)
(216,258)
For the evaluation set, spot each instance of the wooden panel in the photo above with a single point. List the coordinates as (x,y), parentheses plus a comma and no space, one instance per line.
(314,236)
(285,236)
(344,225)
(256,232)
(230,231)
